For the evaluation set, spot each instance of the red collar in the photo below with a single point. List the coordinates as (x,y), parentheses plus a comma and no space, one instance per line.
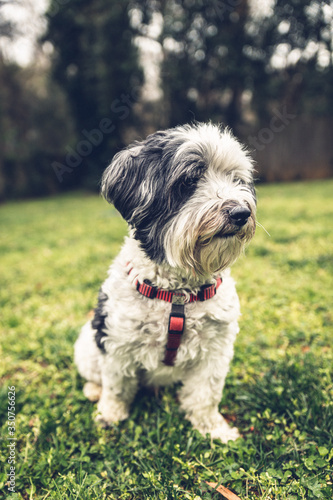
(153,292)
(177,316)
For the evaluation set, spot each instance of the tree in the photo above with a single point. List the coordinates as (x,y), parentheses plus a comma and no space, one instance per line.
(296,48)
(35,126)
(96,64)
(205,69)
(215,51)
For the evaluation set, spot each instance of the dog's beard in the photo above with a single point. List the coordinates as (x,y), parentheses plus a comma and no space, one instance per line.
(206,242)
(216,255)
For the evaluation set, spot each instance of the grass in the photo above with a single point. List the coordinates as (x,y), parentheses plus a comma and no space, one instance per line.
(54,256)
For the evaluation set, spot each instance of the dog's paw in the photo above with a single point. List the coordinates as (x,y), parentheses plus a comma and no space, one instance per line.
(215,425)
(92,391)
(101,422)
(225,433)
(111,412)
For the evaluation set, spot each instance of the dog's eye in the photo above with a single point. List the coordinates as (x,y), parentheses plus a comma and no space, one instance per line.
(188,185)
(190,181)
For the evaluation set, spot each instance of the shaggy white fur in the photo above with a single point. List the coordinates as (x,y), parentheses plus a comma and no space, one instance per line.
(200,241)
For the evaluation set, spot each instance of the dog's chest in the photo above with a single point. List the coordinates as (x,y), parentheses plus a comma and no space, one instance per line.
(137,326)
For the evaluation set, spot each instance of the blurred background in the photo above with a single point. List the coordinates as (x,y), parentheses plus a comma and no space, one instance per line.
(80,79)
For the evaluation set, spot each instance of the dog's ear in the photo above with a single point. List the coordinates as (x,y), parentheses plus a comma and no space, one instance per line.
(120,180)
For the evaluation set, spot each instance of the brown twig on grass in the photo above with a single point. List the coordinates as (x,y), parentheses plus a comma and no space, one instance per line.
(224,491)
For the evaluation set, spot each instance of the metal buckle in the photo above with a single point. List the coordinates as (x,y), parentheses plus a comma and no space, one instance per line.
(178,299)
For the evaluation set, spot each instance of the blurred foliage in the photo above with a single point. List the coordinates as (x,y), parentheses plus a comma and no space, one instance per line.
(63,120)
(205,69)
(215,51)
(96,64)
(300,34)
(34,130)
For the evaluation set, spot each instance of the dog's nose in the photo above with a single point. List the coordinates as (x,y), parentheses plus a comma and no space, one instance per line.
(239,215)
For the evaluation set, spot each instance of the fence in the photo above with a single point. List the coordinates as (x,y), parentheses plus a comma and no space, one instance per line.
(302,150)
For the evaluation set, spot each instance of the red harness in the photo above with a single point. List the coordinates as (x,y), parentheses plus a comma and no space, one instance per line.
(177,316)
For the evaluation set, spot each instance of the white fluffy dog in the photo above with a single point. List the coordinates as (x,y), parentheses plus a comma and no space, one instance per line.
(168,310)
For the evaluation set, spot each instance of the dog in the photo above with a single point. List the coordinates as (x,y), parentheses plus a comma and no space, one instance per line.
(168,309)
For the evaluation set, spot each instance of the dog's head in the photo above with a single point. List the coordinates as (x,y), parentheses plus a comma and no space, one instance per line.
(188,194)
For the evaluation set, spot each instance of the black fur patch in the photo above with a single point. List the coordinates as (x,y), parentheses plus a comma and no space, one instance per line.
(148,185)
(98,321)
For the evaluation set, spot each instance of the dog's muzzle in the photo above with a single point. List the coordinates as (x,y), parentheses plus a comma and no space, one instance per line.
(235,218)
(239,215)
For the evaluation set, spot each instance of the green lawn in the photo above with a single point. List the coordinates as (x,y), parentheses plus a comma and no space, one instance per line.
(54,256)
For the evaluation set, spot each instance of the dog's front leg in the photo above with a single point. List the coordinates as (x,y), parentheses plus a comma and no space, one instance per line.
(200,396)
(118,391)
